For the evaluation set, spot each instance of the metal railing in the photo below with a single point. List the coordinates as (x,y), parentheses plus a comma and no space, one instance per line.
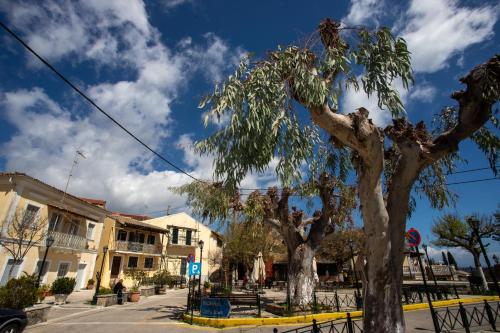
(68,240)
(333,326)
(137,247)
(470,316)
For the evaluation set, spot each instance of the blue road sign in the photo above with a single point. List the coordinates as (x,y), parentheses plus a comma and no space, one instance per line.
(215,307)
(194,268)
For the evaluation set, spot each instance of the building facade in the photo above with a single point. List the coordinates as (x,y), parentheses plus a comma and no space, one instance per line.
(131,245)
(74,224)
(184,235)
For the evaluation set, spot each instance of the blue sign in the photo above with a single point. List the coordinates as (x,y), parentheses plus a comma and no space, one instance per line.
(215,307)
(194,268)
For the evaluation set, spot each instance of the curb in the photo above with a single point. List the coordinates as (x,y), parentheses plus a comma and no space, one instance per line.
(232,322)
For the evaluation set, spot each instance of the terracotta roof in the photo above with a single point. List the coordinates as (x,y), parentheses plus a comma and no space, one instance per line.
(133,216)
(21,174)
(128,221)
(94,201)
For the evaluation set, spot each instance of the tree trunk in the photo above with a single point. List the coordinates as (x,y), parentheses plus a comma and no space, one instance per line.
(300,275)
(479,269)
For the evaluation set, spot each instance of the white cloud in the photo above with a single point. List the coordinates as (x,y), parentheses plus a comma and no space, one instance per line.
(353,100)
(462,257)
(436,30)
(169,4)
(363,12)
(112,34)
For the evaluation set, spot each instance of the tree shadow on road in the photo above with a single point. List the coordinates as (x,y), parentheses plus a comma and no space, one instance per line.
(166,311)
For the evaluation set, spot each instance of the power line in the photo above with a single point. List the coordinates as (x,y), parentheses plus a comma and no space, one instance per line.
(161,157)
(474,181)
(88,99)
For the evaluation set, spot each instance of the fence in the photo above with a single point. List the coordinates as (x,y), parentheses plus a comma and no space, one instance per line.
(328,302)
(467,317)
(334,326)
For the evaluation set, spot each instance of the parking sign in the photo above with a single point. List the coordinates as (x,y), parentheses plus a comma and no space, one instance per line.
(194,268)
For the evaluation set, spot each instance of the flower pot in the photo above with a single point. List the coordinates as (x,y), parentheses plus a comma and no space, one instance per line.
(135,296)
(60,298)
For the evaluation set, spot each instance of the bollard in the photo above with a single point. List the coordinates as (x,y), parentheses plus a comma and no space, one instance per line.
(275,330)
(315,303)
(337,301)
(463,314)
(258,306)
(349,323)
(489,313)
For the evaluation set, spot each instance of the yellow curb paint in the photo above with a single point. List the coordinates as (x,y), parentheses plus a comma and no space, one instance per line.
(233,322)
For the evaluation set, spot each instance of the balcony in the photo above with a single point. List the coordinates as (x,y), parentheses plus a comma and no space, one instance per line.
(137,247)
(68,241)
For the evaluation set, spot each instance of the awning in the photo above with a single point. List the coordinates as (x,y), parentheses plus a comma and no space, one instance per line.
(128,222)
(65,208)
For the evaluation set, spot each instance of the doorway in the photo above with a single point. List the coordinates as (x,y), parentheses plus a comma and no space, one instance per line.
(115,267)
(80,276)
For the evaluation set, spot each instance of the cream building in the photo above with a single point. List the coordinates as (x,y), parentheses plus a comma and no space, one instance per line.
(132,245)
(184,235)
(74,223)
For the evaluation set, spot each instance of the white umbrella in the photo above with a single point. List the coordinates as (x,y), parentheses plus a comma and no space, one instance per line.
(315,270)
(259,269)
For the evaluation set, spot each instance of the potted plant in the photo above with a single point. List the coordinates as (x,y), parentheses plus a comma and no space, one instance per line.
(42,292)
(61,288)
(136,276)
(160,279)
(206,287)
(90,284)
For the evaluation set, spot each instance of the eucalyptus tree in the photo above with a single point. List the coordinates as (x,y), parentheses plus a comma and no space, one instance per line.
(277,106)
(452,231)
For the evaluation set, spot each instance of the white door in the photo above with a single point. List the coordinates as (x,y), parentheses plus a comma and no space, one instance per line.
(80,276)
(5,276)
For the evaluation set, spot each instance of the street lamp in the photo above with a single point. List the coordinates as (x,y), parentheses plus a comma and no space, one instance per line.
(432,271)
(474,224)
(200,244)
(49,241)
(99,275)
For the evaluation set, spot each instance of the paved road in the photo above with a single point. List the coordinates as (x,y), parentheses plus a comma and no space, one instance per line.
(160,314)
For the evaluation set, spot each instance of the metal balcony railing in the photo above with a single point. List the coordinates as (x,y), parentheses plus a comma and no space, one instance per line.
(68,240)
(137,247)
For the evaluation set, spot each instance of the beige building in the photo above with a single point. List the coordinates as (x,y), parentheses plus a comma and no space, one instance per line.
(184,235)
(132,245)
(74,223)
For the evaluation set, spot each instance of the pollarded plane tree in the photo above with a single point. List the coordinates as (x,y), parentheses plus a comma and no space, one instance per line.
(267,102)
(302,235)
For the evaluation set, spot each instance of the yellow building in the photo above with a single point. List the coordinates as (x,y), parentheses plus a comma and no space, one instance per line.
(184,235)
(74,224)
(132,245)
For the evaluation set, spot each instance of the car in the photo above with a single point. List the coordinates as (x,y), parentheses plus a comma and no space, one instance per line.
(12,321)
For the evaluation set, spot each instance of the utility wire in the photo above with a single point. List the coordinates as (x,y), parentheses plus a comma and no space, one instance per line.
(88,99)
(161,157)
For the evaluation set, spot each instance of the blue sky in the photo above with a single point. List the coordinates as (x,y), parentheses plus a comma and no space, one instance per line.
(148,65)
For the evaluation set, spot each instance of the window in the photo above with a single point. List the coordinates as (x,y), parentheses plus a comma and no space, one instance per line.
(151,239)
(219,242)
(30,214)
(122,235)
(132,237)
(90,231)
(183,266)
(188,237)
(73,228)
(54,221)
(148,262)
(175,235)
(132,262)
(8,266)
(140,238)
(63,269)
(45,268)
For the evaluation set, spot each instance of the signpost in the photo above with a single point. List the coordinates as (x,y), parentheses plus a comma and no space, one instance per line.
(413,239)
(194,268)
(215,307)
